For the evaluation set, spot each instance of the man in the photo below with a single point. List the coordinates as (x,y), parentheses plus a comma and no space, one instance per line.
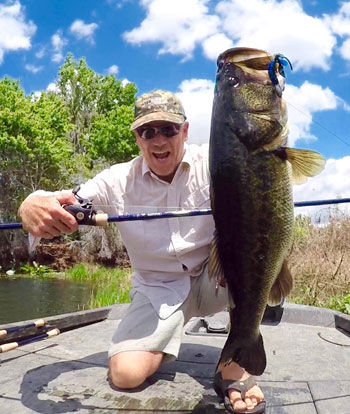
(169,256)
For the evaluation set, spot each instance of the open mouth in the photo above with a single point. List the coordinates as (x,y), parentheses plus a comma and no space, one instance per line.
(161,155)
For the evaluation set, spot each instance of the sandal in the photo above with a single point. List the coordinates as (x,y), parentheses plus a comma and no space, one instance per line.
(221,386)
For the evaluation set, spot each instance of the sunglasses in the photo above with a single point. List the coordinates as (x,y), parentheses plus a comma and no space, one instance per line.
(168,130)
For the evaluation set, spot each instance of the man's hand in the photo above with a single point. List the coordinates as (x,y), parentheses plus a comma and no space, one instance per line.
(43,215)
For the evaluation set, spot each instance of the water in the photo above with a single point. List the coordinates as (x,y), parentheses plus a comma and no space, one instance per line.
(27,299)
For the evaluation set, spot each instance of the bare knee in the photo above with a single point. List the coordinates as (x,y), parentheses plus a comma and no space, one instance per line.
(125,377)
(129,370)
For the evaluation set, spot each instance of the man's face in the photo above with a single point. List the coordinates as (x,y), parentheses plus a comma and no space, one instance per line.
(162,154)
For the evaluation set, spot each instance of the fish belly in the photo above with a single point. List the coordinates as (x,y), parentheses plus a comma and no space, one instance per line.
(253,212)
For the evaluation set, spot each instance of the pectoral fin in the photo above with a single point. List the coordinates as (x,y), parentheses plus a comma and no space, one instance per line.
(305,163)
(282,286)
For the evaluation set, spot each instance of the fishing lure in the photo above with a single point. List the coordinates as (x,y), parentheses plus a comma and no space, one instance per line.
(277,65)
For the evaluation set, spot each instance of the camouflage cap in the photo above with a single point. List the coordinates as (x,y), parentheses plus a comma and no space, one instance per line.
(158,106)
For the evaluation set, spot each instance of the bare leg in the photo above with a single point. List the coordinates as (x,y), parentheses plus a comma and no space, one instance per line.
(130,369)
(253,396)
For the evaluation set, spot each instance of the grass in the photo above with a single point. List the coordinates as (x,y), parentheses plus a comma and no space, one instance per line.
(109,285)
(320,264)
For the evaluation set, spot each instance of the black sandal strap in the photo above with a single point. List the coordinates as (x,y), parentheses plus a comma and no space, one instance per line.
(241,386)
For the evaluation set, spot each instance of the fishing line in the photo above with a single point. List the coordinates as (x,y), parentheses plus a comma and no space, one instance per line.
(319,124)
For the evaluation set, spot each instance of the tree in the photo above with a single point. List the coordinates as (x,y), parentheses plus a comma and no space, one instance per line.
(101,110)
(34,153)
(61,138)
(34,150)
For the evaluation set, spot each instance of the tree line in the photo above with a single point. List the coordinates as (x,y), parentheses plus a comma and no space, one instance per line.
(54,140)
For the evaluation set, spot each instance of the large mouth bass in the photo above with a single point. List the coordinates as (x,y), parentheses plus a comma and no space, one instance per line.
(251,173)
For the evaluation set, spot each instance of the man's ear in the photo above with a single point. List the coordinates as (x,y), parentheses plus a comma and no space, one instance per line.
(185,130)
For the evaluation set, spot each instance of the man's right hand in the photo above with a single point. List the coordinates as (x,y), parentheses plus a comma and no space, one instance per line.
(43,215)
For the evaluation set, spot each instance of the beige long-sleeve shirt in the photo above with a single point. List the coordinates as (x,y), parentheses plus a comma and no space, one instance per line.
(164,253)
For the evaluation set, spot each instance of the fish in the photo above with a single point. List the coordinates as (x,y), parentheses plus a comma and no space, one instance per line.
(251,176)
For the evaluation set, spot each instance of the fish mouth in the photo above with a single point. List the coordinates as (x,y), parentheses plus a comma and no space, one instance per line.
(249,59)
(244,65)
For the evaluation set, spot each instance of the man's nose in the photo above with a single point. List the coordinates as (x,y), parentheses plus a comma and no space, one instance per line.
(159,139)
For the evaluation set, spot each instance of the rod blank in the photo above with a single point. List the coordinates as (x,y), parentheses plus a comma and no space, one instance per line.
(102,219)
(13,345)
(36,324)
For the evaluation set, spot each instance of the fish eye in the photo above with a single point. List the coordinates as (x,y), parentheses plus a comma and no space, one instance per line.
(220,64)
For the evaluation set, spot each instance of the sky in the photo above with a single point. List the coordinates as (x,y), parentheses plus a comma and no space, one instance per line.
(173,45)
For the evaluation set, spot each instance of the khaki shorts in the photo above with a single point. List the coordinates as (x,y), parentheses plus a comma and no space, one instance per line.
(142,330)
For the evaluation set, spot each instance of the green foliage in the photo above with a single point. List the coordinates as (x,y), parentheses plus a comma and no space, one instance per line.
(36,270)
(301,229)
(34,151)
(340,303)
(62,138)
(109,285)
(101,110)
(109,295)
(78,272)
(111,137)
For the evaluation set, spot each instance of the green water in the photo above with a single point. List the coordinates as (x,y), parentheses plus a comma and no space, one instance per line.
(30,298)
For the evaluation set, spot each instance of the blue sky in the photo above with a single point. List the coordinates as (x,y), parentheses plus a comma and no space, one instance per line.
(173,44)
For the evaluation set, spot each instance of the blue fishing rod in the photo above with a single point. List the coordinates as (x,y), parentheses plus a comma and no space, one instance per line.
(85,214)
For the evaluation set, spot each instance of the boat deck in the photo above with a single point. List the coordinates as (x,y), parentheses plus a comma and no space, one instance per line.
(308,371)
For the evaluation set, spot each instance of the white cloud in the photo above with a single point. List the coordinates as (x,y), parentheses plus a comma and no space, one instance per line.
(58,43)
(308,41)
(279,27)
(52,87)
(216,44)
(119,3)
(345,49)
(15,32)
(35,96)
(113,69)
(32,68)
(302,102)
(125,81)
(332,183)
(179,25)
(83,30)
(196,96)
(40,53)
(340,22)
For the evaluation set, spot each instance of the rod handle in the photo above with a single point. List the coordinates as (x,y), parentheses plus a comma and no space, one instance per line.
(100,219)
(39,323)
(53,332)
(8,347)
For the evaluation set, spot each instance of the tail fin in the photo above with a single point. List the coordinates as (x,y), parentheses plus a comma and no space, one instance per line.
(248,353)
